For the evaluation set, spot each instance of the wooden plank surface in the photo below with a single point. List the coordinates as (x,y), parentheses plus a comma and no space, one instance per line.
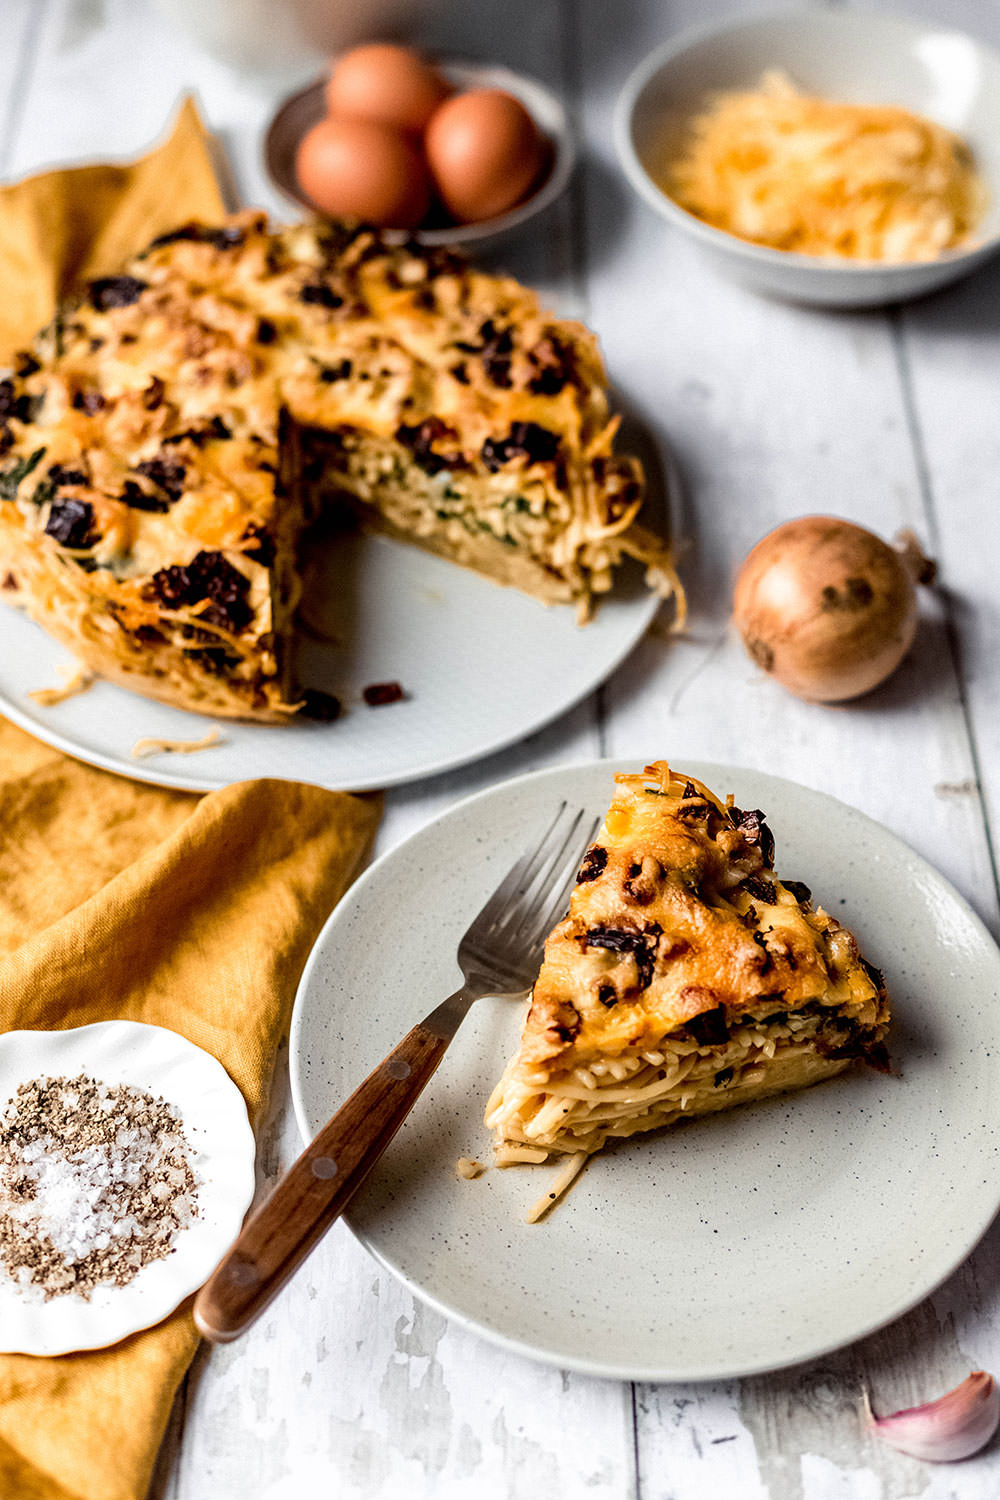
(348,1385)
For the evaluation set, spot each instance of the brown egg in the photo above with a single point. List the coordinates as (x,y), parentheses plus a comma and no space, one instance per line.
(484,153)
(390,84)
(357,169)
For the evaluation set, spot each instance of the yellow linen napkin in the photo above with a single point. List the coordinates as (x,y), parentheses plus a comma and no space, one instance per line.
(120,900)
(60,229)
(123,900)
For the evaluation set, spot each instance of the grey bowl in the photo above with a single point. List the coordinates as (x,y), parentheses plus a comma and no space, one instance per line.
(304,109)
(872,59)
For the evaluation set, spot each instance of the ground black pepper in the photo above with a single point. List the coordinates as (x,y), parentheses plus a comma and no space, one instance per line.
(96,1181)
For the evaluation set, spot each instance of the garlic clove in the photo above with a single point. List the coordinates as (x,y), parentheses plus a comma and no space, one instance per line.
(952,1427)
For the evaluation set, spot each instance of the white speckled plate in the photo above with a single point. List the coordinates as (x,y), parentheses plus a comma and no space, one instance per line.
(482,666)
(215,1122)
(736,1244)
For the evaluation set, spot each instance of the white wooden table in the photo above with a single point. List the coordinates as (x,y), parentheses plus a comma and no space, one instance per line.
(348,1387)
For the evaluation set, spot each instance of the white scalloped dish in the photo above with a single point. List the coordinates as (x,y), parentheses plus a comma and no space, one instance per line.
(217,1128)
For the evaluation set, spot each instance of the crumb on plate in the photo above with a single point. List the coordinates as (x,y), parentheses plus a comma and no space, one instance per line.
(153,746)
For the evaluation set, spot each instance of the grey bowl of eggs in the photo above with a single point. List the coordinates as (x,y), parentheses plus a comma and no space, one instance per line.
(450,151)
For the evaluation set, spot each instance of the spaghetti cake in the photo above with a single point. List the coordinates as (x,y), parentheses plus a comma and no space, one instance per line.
(169,439)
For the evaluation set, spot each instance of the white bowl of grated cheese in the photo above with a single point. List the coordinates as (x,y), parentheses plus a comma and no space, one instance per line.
(821,187)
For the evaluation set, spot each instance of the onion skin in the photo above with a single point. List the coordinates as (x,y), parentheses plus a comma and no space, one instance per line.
(826,607)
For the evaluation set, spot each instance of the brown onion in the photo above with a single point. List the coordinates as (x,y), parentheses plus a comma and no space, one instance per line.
(828,608)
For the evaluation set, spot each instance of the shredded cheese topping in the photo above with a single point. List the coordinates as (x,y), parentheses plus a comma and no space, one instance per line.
(825,178)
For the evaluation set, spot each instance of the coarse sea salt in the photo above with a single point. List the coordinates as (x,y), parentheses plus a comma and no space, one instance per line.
(96,1181)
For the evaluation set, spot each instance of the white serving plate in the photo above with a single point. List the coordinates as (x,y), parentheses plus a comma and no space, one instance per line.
(215,1123)
(841,54)
(736,1244)
(482,666)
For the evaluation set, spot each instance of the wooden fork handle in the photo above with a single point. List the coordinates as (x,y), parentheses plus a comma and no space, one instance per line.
(315,1191)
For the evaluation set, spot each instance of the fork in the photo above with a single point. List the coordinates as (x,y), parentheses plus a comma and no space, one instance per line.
(499,955)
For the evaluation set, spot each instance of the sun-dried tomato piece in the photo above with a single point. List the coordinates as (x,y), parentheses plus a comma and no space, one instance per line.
(799,890)
(229,237)
(710,1028)
(136,498)
(323,707)
(761,889)
(755,831)
(23,407)
(227,588)
(642,945)
(90,402)
(70,522)
(419,440)
(554,363)
(846,1045)
(165,474)
(62,474)
(216,429)
(498,344)
(208,576)
(334,238)
(318,294)
(330,374)
(439,261)
(173,587)
(115,291)
(594,861)
(525,440)
(378,693)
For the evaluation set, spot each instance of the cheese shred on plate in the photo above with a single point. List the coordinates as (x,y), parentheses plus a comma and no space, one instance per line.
(857,181)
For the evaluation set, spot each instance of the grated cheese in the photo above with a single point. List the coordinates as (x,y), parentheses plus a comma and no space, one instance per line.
(825,178)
